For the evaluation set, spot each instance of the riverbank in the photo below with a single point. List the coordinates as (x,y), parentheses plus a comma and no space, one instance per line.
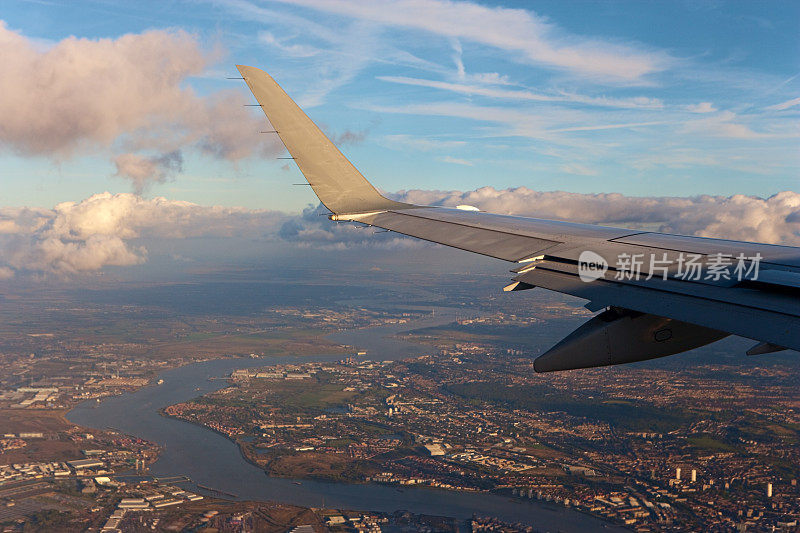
(502,493)
(214,460)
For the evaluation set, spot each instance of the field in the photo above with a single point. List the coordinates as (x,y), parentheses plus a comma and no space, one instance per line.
(30,420)
(37,420)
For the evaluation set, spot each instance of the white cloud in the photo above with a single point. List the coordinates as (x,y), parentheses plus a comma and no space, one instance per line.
(640,102)
(80,95)
(491,78)
(548,123)
(142,171)
(784,105)
(579,170)
(336,56)
(458,59)
(724,124)
(115,229)
(312,230)
(702,107)
(108,229)
(294,50)
(514,30)
(774,220)
(349,54)
(424,144)
(595,127)
(515,123)
(456,161)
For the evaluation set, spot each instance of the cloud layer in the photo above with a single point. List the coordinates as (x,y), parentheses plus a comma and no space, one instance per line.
(774,220)
(113,229)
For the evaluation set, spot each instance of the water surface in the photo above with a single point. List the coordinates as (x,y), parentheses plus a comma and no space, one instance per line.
(212,460)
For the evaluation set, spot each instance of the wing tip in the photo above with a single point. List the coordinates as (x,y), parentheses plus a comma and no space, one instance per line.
(246,69)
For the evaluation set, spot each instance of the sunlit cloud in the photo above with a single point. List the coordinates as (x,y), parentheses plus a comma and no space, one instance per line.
(107,230)
(143,171)
(110,229)
(78,96)
(774,220)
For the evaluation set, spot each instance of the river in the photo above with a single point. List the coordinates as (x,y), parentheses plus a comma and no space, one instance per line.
(212,460)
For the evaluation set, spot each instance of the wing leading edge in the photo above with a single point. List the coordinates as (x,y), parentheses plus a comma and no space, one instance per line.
(652,308)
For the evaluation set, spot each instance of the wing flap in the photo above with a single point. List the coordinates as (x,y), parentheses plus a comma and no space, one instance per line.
(774,327)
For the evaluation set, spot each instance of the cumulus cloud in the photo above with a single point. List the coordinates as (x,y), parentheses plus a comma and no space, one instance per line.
(313,230)
(116,229)
(79,95)
(774,220)
(143,171)
(109,229)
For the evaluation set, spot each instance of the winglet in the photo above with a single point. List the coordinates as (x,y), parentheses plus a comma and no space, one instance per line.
(337,183)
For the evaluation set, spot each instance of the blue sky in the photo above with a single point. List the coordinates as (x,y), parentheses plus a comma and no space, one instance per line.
(640,98)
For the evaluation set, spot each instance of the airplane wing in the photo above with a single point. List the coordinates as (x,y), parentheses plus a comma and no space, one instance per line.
(660,294)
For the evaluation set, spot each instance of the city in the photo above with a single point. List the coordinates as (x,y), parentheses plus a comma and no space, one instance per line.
(713,447)
(710,459)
